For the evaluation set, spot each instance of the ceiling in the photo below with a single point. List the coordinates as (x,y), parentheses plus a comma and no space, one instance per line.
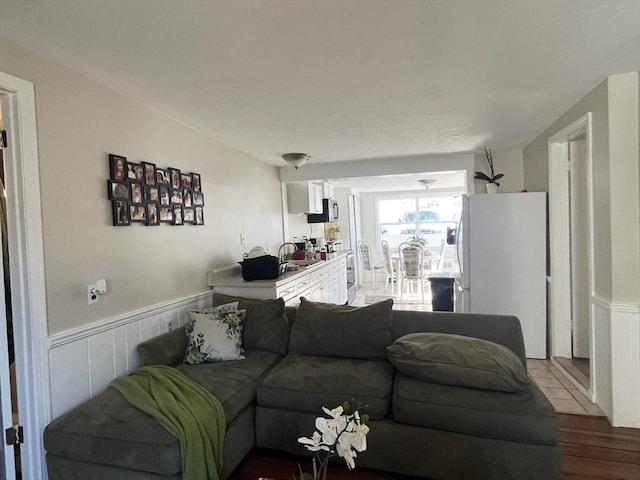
(342,79)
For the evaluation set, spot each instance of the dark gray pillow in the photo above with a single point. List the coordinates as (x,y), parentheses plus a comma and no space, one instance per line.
(265,326)
(330,330)
(457,360)
(165,349)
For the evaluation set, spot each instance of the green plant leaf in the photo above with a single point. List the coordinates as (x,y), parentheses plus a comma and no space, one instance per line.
(482,176)
(497,177)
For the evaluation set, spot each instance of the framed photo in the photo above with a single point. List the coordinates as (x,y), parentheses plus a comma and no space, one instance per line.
(176,196)
(178,218)
(121,213)
(162,176)
(198,199)
(117,167)
(135,171)
(187,198)
(136,193)
(174,176)
(165,199)
(195,182)
(137,213)
(165,214)
(149,173)
(152,214)
(151,194)
(185,180)
(199,216)
(118,190)
(189,215)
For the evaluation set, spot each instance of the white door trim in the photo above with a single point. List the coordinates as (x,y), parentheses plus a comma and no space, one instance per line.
(560,311)
(26,249)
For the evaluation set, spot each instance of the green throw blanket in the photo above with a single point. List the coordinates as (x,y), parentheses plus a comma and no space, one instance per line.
(186,410)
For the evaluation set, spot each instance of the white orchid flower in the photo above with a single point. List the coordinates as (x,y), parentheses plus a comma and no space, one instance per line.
(313,443)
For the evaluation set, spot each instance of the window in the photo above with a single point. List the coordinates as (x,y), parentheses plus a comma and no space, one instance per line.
(399,218)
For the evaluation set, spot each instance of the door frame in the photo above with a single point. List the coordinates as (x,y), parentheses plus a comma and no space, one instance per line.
(559,241)
(26,250)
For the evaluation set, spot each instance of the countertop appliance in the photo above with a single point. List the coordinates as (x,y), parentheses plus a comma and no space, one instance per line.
(501,248)
(329,213)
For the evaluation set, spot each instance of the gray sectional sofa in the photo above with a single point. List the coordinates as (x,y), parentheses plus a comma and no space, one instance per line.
(442,417)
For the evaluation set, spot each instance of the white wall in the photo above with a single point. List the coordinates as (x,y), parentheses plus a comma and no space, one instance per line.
(79,123)
(615,300)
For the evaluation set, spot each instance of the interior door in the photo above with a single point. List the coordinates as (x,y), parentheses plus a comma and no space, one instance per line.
(8,458)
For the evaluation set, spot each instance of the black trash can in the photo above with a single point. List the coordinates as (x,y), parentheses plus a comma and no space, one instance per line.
(441,293)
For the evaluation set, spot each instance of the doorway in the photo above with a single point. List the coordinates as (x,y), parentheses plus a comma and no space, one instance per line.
(28,301)
(571,259)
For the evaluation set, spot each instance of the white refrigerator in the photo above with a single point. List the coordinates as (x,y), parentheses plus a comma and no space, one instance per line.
(501,247)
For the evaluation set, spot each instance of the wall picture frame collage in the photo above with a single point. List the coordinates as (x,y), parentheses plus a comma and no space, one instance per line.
(142,192)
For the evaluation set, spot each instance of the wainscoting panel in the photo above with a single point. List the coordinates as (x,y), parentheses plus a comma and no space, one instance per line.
(83,361)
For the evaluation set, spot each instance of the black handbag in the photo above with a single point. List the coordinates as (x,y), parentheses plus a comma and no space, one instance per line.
(265,267)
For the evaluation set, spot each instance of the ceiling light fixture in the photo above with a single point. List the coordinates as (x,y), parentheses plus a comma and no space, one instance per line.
(427,182)
(296,159)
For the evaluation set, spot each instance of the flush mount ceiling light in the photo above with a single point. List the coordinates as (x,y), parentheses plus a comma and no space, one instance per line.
(427,182)
(296,159)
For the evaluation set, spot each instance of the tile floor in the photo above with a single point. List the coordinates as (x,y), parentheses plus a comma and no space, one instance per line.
(561,392)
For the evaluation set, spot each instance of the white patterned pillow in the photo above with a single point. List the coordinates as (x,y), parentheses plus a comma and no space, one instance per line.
(215,334)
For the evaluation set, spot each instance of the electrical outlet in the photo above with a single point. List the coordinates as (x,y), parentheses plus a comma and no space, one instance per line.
(92,294)
(243,240)
(169,324)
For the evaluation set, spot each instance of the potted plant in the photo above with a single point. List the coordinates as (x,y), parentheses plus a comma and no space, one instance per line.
(492,181)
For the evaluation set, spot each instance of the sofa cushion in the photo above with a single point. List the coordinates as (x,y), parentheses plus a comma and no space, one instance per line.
(165,349)
(458,360)
(525,416)
(326,329)
(266,326)
(307,383)
(108,430)
(215,334)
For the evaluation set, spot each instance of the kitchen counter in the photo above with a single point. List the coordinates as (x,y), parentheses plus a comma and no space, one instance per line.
(324,280)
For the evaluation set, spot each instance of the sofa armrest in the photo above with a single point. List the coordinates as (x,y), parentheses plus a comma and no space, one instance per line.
(502,329)
(165,349)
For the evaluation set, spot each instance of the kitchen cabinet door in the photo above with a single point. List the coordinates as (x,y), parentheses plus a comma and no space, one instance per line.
(304,197)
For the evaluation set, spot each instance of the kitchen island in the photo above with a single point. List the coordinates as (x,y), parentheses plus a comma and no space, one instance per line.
(321,281)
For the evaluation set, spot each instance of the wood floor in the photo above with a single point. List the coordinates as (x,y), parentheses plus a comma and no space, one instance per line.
(592,450)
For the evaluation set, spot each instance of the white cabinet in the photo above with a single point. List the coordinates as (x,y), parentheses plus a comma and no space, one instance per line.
(304,197)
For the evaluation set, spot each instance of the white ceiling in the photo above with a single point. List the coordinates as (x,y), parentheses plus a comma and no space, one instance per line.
(342,79)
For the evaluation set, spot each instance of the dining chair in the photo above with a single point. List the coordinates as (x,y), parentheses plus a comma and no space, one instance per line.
(412,267)
(388,265)
(367,261)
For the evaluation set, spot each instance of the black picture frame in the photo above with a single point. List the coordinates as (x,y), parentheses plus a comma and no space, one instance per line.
(117,167)
(149,170)
(174,177)
(189,215)
(187,197)
(153,216)
(195,182)
(120,213)
(198,199)
(137,193)
(178,215)
(199,220)
(165,214)
(151,194)
(165,195)
(176,197)
(185,180)
(135,172)
(138,213)
(117,190)
(162,176)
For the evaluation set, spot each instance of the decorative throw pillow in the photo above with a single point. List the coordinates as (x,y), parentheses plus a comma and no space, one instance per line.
(215,334)
(330,330)
(265,326)
(458,360)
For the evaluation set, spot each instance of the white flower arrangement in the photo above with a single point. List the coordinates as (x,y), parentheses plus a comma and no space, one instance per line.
(341,434)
